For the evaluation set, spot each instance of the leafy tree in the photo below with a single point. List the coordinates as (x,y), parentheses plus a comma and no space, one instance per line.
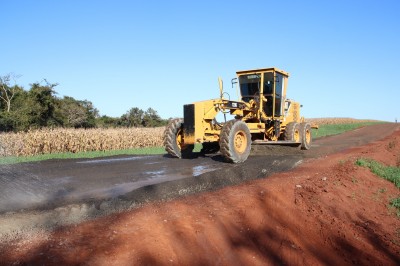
(7,121)
(19,118)
(91,113)
(39,107)
(136,117)
(132,118)
(71,112)
(7,92)
(42,103)
(107,121)
(75,113)
(152,119)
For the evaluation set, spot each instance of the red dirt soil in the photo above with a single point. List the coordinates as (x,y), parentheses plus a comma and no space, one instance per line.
(326,211)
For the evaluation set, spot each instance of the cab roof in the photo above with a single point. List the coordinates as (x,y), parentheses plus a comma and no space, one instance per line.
(263,70)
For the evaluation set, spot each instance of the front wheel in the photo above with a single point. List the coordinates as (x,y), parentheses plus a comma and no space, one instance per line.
(235,141)
(174,141)
(292,132)
(306,137)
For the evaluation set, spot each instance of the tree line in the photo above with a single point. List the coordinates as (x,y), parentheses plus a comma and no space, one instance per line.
(39,107)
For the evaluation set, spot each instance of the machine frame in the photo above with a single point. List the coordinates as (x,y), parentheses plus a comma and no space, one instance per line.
(263,115)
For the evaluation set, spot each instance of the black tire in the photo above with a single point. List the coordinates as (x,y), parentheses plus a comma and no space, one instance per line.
(173,139)
(306,137)
(210,147)
(235,141)
(292,132)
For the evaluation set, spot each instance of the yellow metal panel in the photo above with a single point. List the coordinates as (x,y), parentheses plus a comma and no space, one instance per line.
(293,114)
(204,113)
(263,70)
(256,127)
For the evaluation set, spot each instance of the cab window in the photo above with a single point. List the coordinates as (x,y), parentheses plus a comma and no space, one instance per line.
(249,86)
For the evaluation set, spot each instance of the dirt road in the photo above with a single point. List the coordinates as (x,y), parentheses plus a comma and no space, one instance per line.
(208,211)
(56,183)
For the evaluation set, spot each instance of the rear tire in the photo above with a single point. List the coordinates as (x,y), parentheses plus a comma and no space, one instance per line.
(173,139)
(306,137)
(292,132)
(235,141)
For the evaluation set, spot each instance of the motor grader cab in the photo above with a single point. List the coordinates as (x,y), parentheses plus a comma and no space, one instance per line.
(262,115)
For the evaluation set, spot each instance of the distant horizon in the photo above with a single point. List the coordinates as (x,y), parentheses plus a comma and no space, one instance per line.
(165,118)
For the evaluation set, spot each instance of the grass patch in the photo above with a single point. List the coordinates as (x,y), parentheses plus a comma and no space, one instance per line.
(80,155)
(88,155)
(389,173)
(396,203)
(327,130)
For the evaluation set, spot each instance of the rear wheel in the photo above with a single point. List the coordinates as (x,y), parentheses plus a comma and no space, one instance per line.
(174,141)
(292,132)
(306,137)
(235,141)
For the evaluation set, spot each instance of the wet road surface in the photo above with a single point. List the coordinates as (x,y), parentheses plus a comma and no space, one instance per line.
(54,183)
(30,185)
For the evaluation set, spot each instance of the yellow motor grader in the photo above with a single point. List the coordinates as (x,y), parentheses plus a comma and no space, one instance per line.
(263,115)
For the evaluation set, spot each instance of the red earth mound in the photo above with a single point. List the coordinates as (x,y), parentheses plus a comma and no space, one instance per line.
(325,211)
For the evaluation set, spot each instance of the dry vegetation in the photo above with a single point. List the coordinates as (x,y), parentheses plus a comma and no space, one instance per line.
(47,141)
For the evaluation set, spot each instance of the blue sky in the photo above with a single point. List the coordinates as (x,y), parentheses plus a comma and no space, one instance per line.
(343,56)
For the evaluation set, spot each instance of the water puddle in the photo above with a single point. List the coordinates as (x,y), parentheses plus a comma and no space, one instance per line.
(155,173)
(133,158)
(22,189)
(31,191)
(61,180)
(201,169)
(147,178)
(185,172)
(151,163)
